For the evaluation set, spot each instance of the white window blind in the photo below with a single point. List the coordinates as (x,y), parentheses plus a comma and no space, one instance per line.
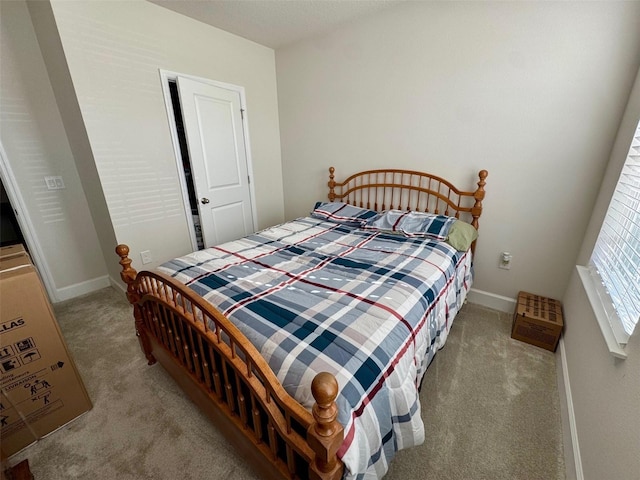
(616,256)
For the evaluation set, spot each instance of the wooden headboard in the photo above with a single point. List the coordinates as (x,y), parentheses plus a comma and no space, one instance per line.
(409,190)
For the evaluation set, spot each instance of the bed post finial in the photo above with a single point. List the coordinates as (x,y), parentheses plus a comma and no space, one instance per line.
(331,184)
(482,174)
(326,434)
(476,211)
(128,275)
(479,196)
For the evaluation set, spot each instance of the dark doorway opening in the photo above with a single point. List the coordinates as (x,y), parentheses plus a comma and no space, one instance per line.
(10,233)
(186,164)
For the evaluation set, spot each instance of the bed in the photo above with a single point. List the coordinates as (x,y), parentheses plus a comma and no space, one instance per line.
(306,342)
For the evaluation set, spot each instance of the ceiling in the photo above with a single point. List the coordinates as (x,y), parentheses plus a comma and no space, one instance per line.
(276,23)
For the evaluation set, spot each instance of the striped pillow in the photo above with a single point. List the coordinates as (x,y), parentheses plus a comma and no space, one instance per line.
(343,213)
(412,224)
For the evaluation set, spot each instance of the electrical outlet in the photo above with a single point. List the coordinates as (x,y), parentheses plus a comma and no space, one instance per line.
(505,261)
(146,257)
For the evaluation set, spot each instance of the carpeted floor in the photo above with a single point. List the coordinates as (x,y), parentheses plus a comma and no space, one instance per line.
(489,403)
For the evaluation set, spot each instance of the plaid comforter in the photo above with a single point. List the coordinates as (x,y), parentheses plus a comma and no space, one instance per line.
(371,308)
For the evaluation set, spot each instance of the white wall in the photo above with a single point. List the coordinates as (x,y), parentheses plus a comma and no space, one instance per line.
(114,51)
(531,91)
(605,391)
(36,146)
(54,59)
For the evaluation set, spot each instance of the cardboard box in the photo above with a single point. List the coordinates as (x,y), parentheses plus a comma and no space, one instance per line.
(537,320)
(40,388)
(12,251)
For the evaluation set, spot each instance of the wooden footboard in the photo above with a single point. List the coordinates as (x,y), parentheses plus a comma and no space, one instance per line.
(227,377)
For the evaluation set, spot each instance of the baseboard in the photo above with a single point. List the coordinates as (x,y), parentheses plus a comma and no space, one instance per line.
(491,300)
(573,461)
(118,285)
(572,458)
(82,288)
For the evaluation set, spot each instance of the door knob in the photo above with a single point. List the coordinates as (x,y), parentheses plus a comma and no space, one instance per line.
(204,200)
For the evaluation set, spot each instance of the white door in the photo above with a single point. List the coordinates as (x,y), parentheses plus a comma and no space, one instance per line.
(215,137)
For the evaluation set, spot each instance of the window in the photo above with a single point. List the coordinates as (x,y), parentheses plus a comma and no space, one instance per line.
(615,261)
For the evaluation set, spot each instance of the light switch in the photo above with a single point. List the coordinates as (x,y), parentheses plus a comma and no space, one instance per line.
(54,182)
(146,257)
(51,182)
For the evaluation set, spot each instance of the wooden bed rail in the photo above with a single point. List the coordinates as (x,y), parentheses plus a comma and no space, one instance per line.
(174,322)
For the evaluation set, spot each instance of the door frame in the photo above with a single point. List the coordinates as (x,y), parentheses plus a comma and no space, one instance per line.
(165,76)
(26,226)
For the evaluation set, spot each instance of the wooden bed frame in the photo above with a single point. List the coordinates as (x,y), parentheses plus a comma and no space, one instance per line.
(226,376)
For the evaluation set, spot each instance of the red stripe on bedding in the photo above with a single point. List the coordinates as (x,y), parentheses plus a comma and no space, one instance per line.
(292,277)
(348,439)
(243,259)
(399,254)
(398,221)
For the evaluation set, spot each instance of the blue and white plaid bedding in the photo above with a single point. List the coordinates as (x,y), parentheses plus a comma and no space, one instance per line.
(368,307)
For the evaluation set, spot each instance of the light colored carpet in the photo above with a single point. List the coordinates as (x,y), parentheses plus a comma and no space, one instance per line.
(490,407)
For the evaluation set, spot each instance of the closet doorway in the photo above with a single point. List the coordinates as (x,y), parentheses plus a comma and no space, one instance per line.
(18,226)
(10,232)
(210,136)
